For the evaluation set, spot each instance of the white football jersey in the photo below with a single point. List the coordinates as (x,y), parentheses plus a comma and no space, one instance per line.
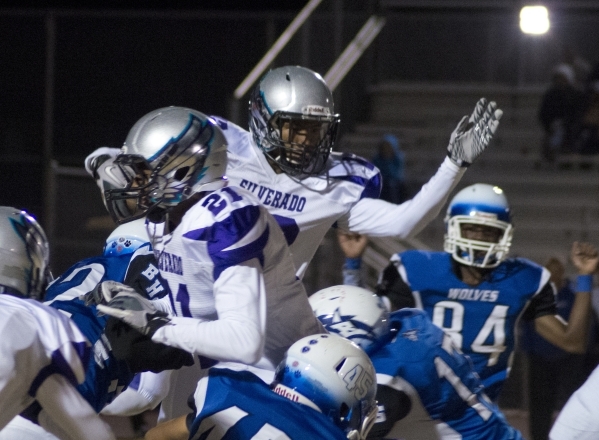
(578,419)
(37,341)
(229,268)
(345,195)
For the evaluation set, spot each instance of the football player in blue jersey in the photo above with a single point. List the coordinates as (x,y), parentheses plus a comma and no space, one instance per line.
(117,352)
(477,294)
(427,389)
(324,388)
(43,354)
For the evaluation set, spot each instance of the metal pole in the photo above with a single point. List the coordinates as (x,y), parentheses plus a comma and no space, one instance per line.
(275,49)
(354,50)
(49,165)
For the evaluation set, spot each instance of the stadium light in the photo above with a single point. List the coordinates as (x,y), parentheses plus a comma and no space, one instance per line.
(534,20)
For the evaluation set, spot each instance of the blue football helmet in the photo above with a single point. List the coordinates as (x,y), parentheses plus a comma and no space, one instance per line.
(479,206)
(127,238)
(333,375)
(24,254)
(169,155)
(354,313)
(292,119)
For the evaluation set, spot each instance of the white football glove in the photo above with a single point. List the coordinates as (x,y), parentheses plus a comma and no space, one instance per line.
(133,309)
(100,166)
(103,293)
(473,134)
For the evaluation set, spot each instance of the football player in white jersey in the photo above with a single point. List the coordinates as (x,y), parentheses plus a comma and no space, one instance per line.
(234,295)
(43,354)
(286,160)
(579,418)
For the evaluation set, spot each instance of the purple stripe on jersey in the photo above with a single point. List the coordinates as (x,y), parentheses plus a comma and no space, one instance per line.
(134,384)
(372,186)
(289,227)
(349,157)
(59,365)
(225,259)
(224,234)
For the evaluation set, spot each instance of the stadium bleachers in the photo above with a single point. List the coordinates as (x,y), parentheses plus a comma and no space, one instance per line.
(553,205)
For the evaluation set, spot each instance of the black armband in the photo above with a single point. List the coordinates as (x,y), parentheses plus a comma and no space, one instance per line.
(395,288)
(395,404)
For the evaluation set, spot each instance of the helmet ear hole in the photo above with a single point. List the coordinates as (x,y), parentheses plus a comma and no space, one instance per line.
(181,173)
(344,410)
(340,365)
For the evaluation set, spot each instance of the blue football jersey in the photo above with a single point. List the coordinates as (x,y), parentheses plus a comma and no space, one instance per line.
(235,405)
(105,376)
(482,319)
(446,385)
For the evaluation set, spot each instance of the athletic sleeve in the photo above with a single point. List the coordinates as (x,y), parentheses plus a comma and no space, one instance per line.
(542,303)
(66,414)
(144,276)
(408,218)
(238,333)
(144,393)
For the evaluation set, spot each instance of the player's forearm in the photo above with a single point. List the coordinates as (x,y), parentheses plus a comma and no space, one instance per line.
(66,414)
(409,218)
(222,339)
(239,332)
(578,323)
(143,396)
(570,336)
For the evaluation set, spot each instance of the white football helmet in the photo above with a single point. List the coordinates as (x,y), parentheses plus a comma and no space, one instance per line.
(334,375)
(169,155)
(292,95)
(24,254)
(127,238)
(481,205)
(354,313)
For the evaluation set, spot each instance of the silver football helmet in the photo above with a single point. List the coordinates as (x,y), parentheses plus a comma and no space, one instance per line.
(354,313)
(24,254)
(336,376)
(292,119)
(483,208)
(169,155)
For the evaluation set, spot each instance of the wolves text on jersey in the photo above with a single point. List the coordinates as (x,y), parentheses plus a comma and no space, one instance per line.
(276,199)
(473,294)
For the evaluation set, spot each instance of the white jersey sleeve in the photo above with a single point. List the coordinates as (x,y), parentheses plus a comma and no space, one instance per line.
(67,415)
(144,393)
(578,418)
(38,343)
(408,218)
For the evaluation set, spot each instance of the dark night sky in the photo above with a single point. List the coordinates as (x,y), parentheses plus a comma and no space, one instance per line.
(250,5)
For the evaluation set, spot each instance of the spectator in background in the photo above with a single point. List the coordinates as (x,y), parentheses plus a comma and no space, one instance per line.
(390,160)
(582,68)
(549,383)
(560,112)
(587,141)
